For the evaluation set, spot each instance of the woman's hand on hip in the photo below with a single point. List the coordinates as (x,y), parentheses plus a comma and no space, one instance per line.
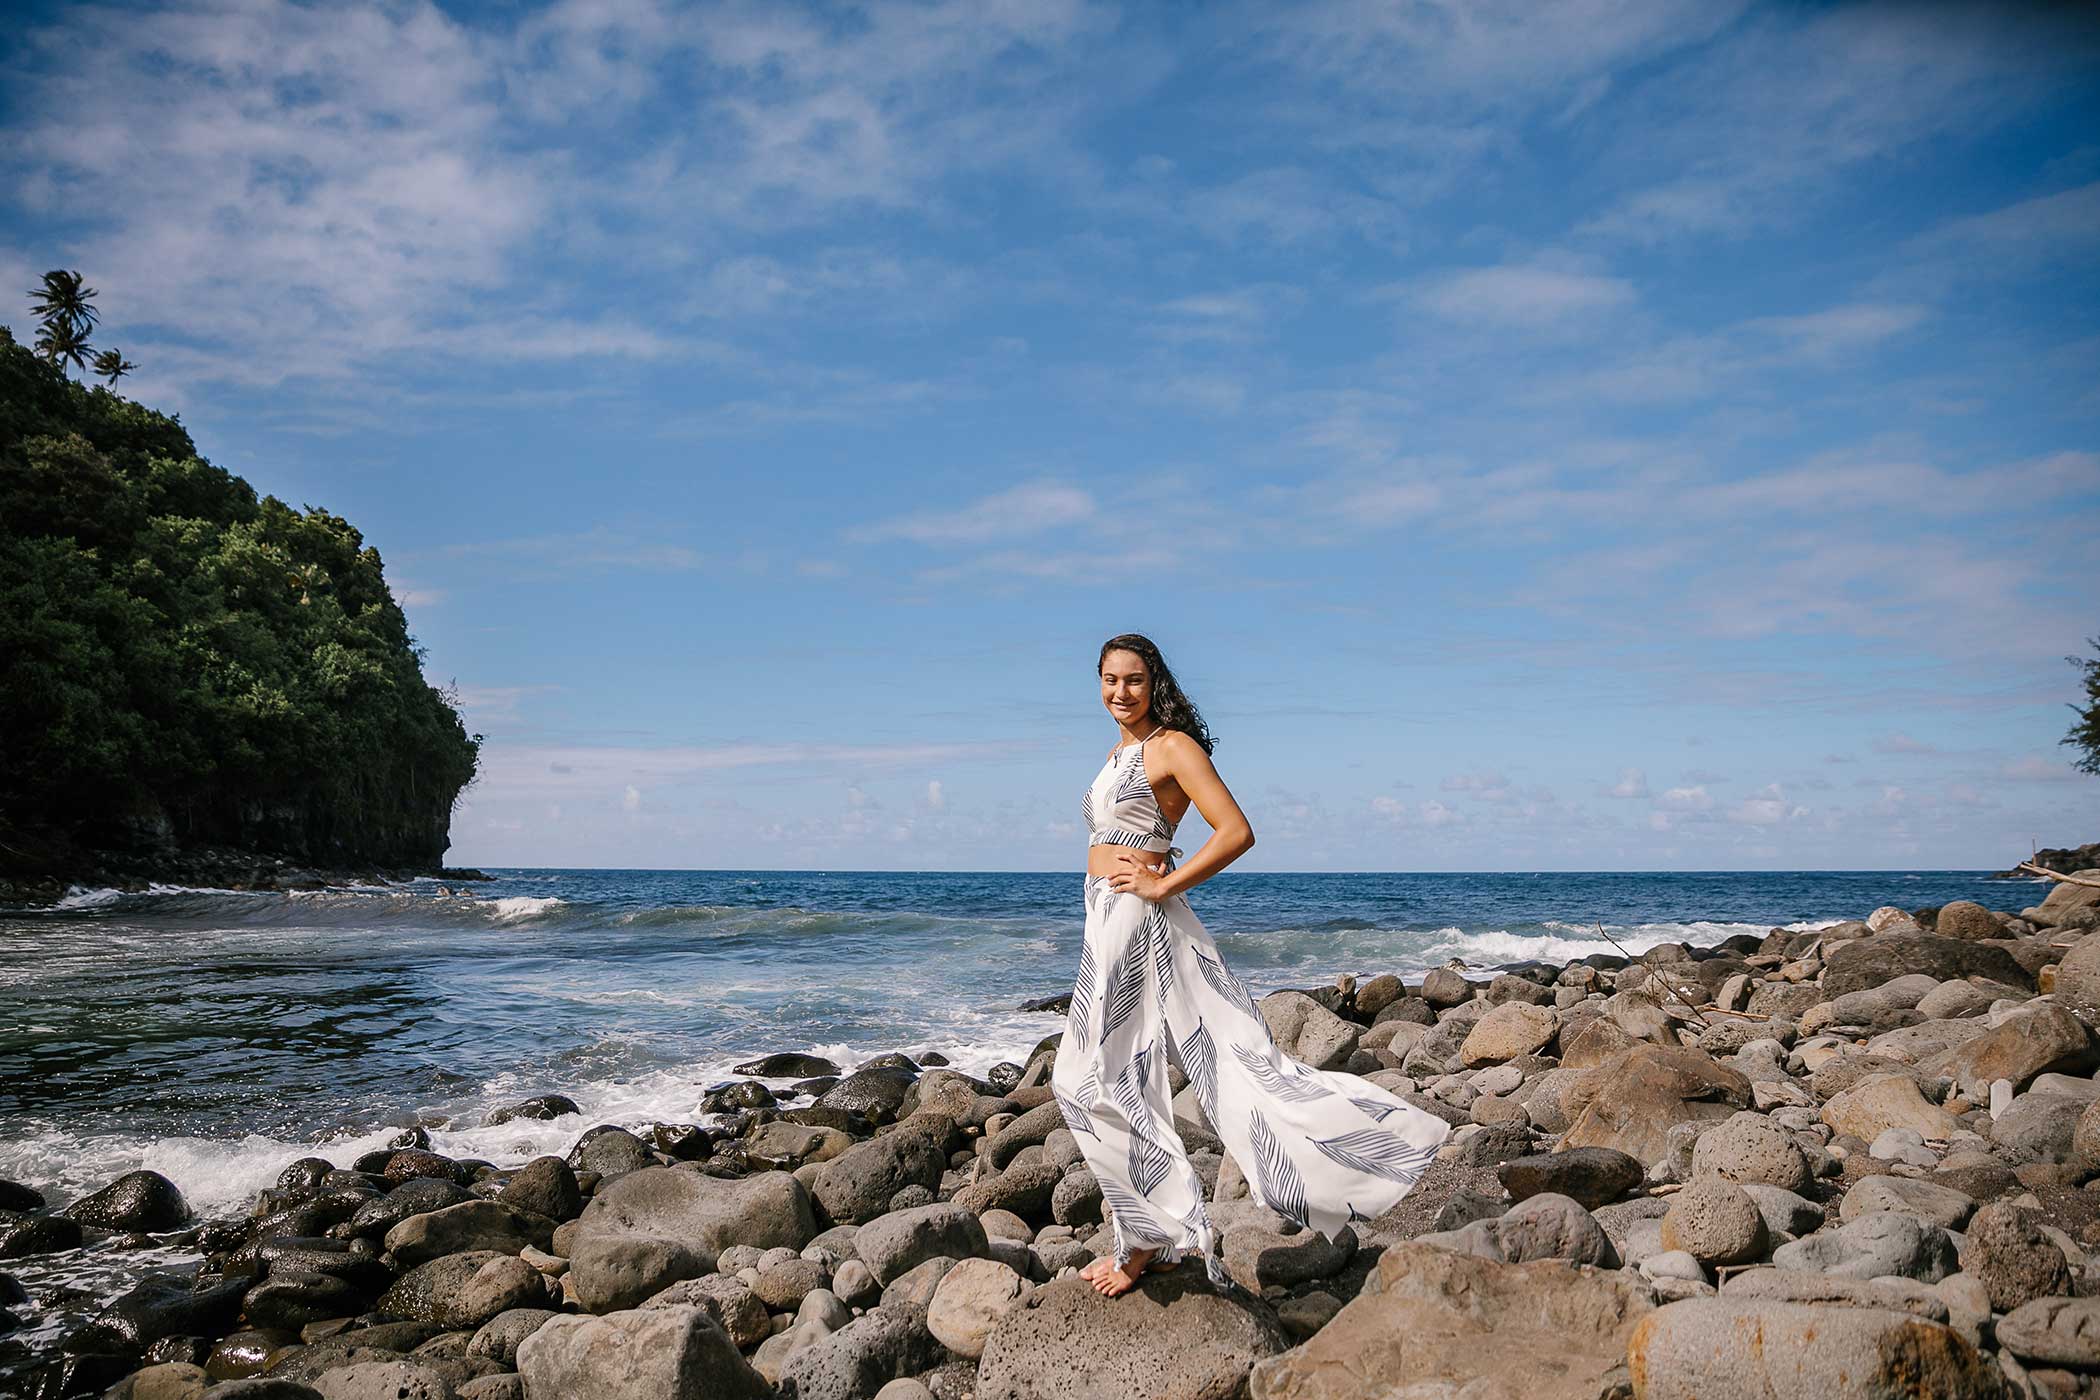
(1141,873)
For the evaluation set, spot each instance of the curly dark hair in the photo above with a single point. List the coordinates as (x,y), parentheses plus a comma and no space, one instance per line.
(1170,707)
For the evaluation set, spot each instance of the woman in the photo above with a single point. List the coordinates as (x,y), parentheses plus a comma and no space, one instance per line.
(1319,1147)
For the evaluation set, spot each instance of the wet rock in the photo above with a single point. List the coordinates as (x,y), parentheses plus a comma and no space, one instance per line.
(412,1162)
(292,1300)
(1170,1338)
(1756,1349)
(174,1380)
(144,1201)
(1544,1331)
(159,1307)
(672,1353)
(453,1291)
(19,1199)
(544,1186)
(374,1218)
(540,1109)
(874,1093)
(470,1225)
(245,1353)
(787,1065)
(610,1152)
(2006,1251)
(22,1236)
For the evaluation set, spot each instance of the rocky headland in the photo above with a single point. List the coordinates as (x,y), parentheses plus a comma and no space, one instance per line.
(1862,1161)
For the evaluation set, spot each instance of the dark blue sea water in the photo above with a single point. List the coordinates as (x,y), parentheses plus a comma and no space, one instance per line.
(216,1036)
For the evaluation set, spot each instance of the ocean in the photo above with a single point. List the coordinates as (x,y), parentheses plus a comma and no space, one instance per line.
(216,1036)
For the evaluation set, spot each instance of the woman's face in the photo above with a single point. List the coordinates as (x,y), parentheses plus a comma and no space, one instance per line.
(1126,687)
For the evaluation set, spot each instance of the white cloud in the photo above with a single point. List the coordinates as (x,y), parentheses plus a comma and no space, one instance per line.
(1019,510)
(1687,799)
(935,797)
(631,799)
(1632,783)
(1524,296)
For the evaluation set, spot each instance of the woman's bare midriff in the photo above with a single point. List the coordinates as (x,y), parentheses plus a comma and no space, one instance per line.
(1107,859)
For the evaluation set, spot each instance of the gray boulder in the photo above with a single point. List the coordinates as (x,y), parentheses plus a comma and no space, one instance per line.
(1757,1349)
(646,1354)
(613,1273)
(2006,1251)
(854,1362)
(856,1186)
(1171,1338)
(706,1213)
(1308,1031)
(1447,1325)
(894,1243)
(2054,1332)
(1886,1242)
(468,1225)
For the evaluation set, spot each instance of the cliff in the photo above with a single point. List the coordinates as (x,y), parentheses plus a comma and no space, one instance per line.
(185,666)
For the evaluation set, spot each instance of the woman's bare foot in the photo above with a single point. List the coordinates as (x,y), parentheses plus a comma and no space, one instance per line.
(1108,1280)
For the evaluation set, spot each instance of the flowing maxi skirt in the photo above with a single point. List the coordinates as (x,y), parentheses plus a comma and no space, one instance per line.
(1316,1146)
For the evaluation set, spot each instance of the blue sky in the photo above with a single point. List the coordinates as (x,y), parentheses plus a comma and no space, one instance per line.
(1603,435)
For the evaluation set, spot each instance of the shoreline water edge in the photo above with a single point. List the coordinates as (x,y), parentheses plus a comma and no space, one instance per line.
(1673,1169)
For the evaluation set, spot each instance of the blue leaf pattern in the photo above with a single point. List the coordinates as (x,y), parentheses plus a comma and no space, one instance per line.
(1274,1082)
(1376,1152)
(1225,984)
(1199,1060)
(1149,1160)
(1126,984)
(1276,1179)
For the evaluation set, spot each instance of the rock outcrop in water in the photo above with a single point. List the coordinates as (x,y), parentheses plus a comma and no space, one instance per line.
(1701,1173)
(186,665)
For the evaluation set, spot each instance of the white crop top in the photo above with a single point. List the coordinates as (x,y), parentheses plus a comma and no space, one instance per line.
(1120,807)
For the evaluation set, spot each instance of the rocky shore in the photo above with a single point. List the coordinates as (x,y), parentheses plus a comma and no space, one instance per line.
(1862,1161)
(197,867)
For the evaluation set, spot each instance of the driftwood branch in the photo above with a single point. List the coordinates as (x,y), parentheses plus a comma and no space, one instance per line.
(1656,973)
(2057,875)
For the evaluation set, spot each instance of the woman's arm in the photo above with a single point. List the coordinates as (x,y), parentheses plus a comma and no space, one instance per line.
(1231,836)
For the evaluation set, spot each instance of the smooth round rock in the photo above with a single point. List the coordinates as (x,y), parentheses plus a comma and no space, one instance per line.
(1715,1222)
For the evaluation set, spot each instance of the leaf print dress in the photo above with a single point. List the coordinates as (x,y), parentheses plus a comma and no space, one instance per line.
(1319,1147)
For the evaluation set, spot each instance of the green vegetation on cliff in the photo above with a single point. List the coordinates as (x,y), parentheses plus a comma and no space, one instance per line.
(183,663)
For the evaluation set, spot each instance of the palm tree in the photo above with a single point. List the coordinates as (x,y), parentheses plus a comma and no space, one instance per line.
(62,341)
(112,365)
(63,297)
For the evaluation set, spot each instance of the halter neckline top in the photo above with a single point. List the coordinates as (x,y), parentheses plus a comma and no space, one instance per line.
(1120,807)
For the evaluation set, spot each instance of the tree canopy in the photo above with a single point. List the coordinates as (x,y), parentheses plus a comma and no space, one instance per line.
(2085,733)
(183,661)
